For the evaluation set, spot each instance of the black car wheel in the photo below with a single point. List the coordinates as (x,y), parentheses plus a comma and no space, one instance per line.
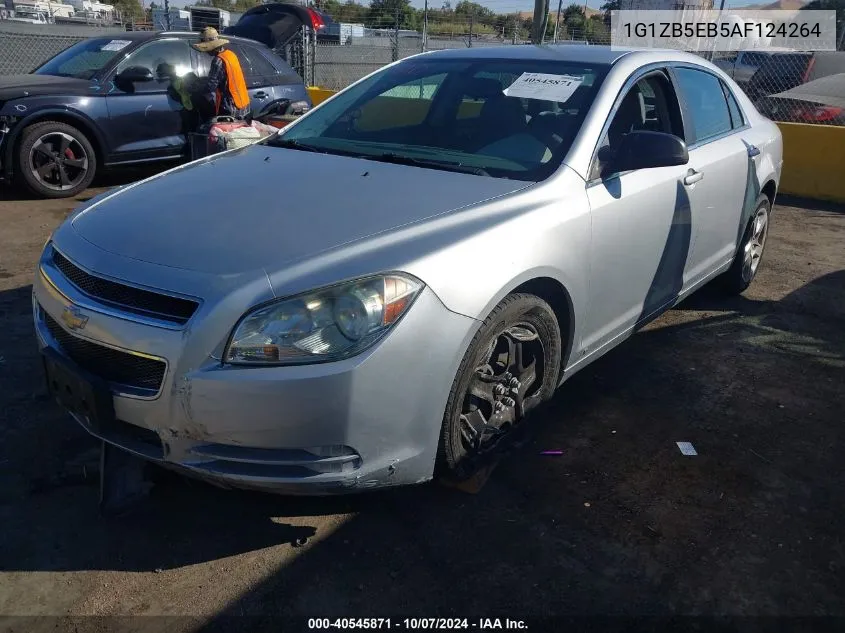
(511,366)
(55,160)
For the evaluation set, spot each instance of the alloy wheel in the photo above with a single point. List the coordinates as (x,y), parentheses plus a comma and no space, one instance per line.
(753,251)
(502,390)
(58,161)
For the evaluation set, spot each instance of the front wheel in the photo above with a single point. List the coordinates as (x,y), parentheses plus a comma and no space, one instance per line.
(55,160)
(511,366)
(746,263)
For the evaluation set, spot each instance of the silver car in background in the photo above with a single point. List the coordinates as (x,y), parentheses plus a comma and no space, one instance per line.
(384,291)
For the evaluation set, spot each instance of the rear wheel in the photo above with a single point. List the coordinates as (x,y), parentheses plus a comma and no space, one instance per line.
(746,263)
(512,366)
(55,160)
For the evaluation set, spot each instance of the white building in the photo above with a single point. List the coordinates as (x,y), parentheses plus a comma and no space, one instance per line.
(90,8)
(47,9)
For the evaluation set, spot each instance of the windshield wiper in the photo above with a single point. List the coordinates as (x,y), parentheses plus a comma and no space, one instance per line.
(398,159)
(275,141)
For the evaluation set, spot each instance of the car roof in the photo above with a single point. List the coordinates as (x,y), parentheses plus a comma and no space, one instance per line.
(577,53)
(140,36)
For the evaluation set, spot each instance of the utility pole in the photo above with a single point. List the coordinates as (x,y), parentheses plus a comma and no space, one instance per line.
(425,27)
(515,27)
(557,19)
(471,19)
(167,14)
(541,16)
(396,34)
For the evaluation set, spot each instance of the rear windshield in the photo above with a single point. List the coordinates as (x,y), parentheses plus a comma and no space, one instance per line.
(502,118)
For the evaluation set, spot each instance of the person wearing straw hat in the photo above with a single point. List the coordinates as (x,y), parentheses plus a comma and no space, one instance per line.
(225,86)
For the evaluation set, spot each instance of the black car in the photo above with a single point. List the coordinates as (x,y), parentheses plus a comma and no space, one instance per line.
(821,102)
(111,101)
(784,71)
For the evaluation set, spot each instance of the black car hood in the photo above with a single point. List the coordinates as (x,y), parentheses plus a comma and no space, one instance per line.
(17,86)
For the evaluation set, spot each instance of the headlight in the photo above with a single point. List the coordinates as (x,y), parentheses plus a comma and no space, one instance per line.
(328,324)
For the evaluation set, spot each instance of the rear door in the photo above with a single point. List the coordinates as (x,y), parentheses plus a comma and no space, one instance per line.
(286,83)
(720,168)
(258,74)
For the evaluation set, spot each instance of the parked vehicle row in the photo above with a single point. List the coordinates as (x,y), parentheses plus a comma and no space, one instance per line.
(109,101)
(801,87)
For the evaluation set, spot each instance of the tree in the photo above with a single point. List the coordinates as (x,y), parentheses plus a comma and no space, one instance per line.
(128,8)
(242,6)
(574,18)
(349,12)
(607,7)
(383,13)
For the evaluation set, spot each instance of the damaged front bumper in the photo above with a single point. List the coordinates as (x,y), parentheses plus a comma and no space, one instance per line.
(357,424)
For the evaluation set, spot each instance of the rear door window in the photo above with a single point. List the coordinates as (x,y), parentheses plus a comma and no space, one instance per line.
(706,104)
(284,73)
(251,77)
(262,71)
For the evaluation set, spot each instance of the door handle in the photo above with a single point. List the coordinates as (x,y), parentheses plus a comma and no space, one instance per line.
(261,95)
(692,177)
(753,151)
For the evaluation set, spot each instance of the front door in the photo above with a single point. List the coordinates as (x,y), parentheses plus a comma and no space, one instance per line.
(642,225)
(146,119)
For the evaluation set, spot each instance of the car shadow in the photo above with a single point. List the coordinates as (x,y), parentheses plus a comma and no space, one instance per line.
(114,177)
(810,204)
(617,524)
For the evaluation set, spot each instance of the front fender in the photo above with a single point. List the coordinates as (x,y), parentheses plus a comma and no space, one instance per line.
(65,114)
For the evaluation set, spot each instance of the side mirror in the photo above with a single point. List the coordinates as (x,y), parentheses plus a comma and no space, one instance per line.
(135,74)
(644,149)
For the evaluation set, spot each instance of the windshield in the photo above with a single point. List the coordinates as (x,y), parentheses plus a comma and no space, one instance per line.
(494,117)
(85,59)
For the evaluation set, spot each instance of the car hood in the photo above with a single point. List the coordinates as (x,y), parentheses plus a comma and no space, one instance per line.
(261,207)
(17,86)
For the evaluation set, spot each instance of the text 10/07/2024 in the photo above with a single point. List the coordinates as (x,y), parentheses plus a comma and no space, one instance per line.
(478,624)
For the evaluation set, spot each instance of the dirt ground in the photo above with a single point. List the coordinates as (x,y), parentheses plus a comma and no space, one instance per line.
(621,523)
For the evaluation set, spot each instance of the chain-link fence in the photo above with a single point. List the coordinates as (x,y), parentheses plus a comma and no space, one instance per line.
(24,47)
(785,86)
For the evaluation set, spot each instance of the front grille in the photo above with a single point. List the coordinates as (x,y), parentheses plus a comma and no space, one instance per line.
(109,364)
(129,298)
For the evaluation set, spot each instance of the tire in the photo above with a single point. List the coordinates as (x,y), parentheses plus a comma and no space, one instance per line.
(55,160)
(749,255)
(522,315)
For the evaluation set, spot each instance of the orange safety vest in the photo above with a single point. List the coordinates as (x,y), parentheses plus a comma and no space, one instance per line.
(234,81)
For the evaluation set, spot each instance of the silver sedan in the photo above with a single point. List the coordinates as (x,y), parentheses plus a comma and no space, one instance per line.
(384,291)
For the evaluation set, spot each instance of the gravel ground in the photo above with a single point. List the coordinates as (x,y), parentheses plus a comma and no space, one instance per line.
(621,523)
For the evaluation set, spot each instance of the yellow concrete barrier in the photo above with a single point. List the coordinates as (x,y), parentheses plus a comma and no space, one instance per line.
(318,95)
(813,161)
(813,157)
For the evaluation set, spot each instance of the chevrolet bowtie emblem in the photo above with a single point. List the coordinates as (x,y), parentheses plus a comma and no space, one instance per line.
(73,318)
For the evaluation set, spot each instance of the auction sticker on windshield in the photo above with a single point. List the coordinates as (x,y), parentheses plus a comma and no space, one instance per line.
(115,45)
(542,86)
